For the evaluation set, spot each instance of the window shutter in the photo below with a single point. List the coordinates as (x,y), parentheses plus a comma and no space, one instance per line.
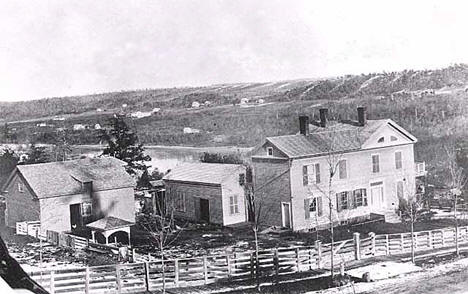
(317,173)
(305,178)
(306,208)
(338,202)
(364,196)
(319,206)
(351,200)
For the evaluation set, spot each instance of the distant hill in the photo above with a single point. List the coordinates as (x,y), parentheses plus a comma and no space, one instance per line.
(432,104)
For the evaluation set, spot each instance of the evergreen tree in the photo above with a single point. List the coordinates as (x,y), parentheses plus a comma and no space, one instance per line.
(122,143)
(144,180)
(36,154)
(8,162)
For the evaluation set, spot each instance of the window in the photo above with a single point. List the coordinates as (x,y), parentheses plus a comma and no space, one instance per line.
(342,169)
(375,163)
(360,197)
(381,140)
(393,138)
(20,187)
(241,179)
(311,173)
(398,163)
(86,209)
(270,151)
(233,204)
(305,175)
(180,201)
(399,189)
(342,201)
(312,205)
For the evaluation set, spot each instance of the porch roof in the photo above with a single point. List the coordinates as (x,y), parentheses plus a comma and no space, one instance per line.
(109,223)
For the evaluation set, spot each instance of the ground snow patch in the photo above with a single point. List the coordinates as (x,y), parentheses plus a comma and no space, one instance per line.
(384,270)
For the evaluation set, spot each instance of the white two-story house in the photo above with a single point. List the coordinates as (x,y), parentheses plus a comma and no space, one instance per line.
(371,163)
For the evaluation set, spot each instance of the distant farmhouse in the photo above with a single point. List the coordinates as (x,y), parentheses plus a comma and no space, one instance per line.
(374,163)
(207,192)
(68,196)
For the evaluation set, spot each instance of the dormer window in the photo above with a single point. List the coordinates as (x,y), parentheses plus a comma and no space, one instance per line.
(270,151)
(381,140)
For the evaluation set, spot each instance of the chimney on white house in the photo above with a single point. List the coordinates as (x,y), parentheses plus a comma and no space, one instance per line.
(304,125)
(323,117)
(362,116)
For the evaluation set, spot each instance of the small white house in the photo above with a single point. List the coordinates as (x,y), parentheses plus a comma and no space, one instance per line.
(191,131)
(41,125)
(79,127)
(141,114)
(207,103)
(97,126)
(244,101)
(156,109)
(195,104)
(99,110)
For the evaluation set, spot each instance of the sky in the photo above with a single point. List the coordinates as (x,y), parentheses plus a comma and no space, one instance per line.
(62,48)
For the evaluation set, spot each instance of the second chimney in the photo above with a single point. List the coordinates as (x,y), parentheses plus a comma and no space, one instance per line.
(304,125)
(323,117)
(362,117)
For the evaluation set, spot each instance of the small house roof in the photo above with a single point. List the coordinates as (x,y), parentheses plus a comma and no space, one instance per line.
(66,177)
(109,223)
(335,137)
(207,173)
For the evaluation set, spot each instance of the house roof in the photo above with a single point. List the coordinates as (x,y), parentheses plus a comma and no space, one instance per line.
(109,223)
(208,173)
(66,177)
(336,137)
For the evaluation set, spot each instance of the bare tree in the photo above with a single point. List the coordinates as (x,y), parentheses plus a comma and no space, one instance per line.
(164,232)
(456,182)
(410,206)
(257,210)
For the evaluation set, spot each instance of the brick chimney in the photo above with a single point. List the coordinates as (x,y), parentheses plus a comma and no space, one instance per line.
(304,125)
(362,116)
(323,117)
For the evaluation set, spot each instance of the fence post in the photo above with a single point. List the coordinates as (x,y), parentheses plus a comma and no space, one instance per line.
(252,269)
(147,276)
(402,242)
(118,279)
(276,263)
(387,245)
(52,282)
(357,246)
(310,258)
(298,261)
(87,280)
(318,248)
(205,269)
(228,263)
(176,272)
(415,240)
(372,236)
(443,237)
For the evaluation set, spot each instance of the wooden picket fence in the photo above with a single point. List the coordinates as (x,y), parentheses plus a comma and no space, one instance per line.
(150,275)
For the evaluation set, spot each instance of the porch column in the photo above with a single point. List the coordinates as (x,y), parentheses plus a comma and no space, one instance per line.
(93,236)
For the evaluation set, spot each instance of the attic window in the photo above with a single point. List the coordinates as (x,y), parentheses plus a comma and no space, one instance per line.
(270,151)
(381,140)
(393,138)
(20,187)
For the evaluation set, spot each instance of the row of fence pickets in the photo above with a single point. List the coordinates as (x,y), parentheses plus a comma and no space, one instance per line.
(148,275)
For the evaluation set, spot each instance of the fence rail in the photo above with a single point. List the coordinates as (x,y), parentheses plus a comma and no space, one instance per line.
(149,274)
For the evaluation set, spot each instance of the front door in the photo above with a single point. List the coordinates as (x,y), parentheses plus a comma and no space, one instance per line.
(205,210)
(75,216)
(377,195)
(286,214)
